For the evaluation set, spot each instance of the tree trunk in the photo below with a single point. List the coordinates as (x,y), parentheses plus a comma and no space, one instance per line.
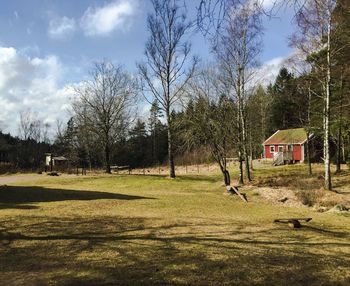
(227,178)
(339,145)
(246,158)
(243,122)
(308,153)
(154,142)
(308,132)
(339,152)
(171,162)
(107,159)
(327,167)
(225,173)
(241,180)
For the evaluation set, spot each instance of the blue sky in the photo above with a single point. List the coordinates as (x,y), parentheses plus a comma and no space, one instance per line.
(46,46)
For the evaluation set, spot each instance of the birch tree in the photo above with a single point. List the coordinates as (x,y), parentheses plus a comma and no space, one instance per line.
(167,52)
(313,38)
(237,49)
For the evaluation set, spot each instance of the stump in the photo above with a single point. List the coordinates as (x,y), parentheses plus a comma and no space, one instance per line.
(294,223)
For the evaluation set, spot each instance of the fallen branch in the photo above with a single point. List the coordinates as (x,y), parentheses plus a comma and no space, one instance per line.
(234,190)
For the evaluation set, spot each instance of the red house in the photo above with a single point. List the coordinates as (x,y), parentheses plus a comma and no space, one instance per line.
(286,146)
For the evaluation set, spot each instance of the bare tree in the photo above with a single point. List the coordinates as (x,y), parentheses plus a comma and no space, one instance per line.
(237,49)
(315,23)
(103,105)
(26,121)
(31,127)
(212,14)
(209,118)
(164,73)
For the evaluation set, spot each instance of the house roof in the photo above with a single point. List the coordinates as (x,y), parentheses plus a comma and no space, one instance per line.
(60,158)
(287,136)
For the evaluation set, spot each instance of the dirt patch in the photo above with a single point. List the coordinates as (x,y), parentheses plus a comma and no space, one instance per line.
(319,199)
(18,178)
(280,196)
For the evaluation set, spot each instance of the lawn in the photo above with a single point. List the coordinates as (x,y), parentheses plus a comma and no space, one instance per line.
(150,230)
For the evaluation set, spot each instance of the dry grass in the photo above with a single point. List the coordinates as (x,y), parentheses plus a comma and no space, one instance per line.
(150,230)
(308,189)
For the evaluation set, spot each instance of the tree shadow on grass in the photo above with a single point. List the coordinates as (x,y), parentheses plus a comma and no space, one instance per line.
(326,232)
(17,206)
(132,251)
(15,196)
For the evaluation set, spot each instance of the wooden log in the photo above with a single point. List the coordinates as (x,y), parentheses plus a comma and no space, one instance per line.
(283,200)
(306,219)
(293,222)
(235,190)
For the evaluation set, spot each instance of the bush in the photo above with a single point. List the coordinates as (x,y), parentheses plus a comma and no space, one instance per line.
(308,197)
(7,168)
(311,197)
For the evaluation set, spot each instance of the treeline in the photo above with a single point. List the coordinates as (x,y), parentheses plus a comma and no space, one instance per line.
(143,144)
(27,151)
(19,154)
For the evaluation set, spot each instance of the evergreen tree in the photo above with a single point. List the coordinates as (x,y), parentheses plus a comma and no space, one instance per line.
(287,104)
(155,124)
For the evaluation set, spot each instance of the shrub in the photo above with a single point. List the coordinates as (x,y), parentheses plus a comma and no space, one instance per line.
(308,197)
(7,168)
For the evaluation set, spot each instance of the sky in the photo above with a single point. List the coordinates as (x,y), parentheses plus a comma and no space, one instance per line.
(47,46)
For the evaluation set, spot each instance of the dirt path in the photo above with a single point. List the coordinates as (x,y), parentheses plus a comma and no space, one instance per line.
(18,178)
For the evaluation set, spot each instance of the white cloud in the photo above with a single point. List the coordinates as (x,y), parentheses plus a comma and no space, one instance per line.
(32,83)
(102,21)
(61,28)
(268,72)
(268,4)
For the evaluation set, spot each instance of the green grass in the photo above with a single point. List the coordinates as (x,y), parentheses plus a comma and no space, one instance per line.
(150,230)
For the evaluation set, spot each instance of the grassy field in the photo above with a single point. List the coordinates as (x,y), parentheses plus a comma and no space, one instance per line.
(150,230)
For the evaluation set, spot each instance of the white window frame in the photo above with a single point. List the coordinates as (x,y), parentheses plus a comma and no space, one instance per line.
(280,146)
(272,147)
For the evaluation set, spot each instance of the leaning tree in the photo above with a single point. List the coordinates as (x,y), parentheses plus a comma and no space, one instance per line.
(208,117)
